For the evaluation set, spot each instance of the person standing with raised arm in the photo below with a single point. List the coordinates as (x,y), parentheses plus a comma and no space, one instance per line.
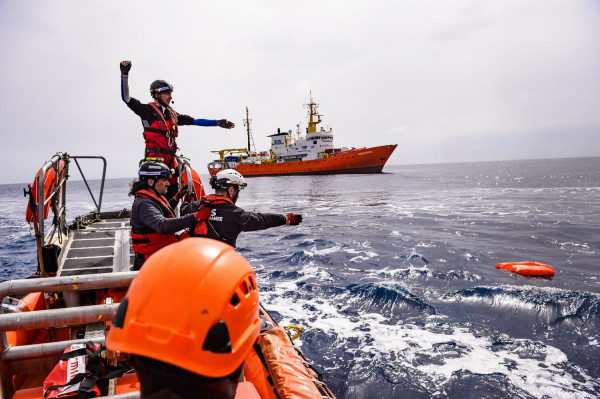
(160,122)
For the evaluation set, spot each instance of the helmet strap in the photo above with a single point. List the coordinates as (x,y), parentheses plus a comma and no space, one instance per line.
(152,186)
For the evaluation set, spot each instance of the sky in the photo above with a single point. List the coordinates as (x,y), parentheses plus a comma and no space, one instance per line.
(446,80)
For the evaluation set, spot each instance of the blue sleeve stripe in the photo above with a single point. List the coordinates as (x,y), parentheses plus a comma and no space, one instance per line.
(205,122)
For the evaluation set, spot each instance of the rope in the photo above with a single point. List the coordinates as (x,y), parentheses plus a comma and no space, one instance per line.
(299,330)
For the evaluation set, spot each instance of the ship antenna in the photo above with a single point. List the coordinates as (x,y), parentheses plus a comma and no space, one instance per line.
(247,122)
(313,110)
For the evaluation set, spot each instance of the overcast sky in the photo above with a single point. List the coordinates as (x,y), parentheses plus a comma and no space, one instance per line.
(446,80)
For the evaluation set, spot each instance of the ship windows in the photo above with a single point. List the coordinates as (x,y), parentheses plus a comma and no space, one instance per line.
(315,142)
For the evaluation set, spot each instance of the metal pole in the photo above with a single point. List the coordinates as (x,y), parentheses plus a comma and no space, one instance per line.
(66,283)
(26,352)
(57,317)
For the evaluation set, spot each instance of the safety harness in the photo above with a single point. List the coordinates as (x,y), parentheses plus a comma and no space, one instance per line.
(160,136)
(209,202)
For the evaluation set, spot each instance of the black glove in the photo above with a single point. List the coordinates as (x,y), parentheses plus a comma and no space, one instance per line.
(125,67)
(293,219)
(224,123)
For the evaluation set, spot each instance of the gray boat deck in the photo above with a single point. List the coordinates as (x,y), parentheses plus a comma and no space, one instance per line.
(103,246)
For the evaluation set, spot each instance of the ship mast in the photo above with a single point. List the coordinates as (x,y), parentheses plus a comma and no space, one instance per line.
(313,109)
(247,122)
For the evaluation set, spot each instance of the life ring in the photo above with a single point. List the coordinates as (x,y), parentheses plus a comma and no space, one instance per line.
(196,184)
(527,268)
(49,186)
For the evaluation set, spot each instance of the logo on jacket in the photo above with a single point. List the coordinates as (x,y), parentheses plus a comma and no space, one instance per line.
(214,217)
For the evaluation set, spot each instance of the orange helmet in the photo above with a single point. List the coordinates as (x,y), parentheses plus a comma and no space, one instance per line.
(194,304)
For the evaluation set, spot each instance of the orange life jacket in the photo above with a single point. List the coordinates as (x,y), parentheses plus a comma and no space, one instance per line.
(147,241)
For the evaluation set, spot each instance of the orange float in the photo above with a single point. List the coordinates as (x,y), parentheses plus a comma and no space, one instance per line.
(196,184)
(527,268)
(49,186)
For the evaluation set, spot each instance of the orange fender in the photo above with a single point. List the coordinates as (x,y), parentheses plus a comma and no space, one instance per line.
(527,268)
(286,366)
(31,302)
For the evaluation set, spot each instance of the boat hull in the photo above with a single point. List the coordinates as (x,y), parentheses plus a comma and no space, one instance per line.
(360,160)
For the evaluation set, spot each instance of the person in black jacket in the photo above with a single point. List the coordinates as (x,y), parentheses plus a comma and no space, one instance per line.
(153,223)
(227,220)
(160,122)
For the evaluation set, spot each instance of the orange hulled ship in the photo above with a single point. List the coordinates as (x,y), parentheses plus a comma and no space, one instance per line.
(292,154)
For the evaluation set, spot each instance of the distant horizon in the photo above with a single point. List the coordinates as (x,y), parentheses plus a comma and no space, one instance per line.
(78,179)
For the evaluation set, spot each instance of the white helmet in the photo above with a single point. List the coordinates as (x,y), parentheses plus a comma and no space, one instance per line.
(226,178)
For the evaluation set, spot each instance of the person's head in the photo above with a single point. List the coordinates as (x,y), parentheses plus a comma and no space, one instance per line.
(161,92)
(190,316)
(228,182)
(153,175)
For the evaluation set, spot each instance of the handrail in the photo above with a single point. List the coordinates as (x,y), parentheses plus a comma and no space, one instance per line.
(61,186)
(66,283)
(52,317)
(76,157)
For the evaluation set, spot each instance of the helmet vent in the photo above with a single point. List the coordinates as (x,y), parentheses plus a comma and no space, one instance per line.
(244,288)
(235,300)
(217,340)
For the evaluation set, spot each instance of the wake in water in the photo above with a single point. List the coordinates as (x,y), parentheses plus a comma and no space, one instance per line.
(393,276)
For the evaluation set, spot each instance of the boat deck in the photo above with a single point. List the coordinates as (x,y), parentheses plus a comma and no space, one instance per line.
(99,246)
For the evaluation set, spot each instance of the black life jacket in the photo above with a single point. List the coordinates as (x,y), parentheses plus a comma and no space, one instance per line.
(210,201)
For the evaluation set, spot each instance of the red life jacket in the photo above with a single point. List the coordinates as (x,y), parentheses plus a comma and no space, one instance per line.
(209,201)
(160,137)
(147,241)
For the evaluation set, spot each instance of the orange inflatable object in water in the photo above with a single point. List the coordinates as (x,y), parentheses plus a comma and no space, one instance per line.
(527,268)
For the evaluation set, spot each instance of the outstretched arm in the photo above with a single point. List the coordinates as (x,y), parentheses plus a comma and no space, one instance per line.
(125,67)
(224,123)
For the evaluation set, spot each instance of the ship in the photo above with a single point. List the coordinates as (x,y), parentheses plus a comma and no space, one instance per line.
(83,274)
(297,154)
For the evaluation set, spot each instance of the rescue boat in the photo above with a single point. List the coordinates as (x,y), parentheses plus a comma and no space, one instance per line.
(295,154)
(67,306)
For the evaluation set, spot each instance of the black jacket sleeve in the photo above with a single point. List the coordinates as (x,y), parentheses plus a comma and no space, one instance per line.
(145,213)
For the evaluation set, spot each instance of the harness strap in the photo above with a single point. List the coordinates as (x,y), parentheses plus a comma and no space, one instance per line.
(155,130)
(160,150)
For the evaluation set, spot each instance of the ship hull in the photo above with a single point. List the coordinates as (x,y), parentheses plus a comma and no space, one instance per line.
(360,160)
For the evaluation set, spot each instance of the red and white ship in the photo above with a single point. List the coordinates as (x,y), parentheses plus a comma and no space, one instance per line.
(292,154)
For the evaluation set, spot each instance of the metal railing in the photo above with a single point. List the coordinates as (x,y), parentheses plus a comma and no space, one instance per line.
(51,318)
(60,187)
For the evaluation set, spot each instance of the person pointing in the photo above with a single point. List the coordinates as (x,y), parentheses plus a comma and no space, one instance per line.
(160,122)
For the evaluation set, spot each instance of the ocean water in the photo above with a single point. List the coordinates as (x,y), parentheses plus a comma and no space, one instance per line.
(393,275)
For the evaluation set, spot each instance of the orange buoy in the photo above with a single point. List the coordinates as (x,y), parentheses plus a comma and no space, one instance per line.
(527,268)
(49,185)
(196,184)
